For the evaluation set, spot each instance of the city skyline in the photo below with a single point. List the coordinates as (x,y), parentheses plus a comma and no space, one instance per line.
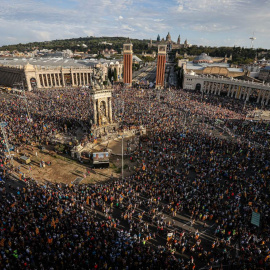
(204,22)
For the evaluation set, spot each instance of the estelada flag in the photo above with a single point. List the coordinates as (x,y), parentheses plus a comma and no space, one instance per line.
(13,205)
(50,240)
(2,242)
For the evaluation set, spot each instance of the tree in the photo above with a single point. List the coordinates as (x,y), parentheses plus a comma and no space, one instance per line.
(110,74)
(158,38)
(115,75)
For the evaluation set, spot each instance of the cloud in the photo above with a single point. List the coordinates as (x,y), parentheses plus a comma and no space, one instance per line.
(219,22)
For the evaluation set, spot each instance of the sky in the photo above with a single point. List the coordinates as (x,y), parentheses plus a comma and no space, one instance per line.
(201,22)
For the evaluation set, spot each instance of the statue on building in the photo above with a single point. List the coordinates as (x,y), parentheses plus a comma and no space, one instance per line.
(178,40)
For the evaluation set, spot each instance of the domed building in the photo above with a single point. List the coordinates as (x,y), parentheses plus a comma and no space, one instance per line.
(168,37)
(203,58)
(171,45)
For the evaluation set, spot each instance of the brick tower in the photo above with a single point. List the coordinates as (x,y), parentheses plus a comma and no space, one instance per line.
(161,66)
(127,52)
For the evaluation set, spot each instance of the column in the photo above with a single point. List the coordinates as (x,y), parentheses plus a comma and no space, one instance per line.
(229,90)
(42,78)
(233,89)
(95,111)
(72,78)
(51,79)
(107,110)
(259,96)
(54,78)
(46,80)
(244,92)
(203,87)
(57,78)
(263,96)
(87,78)
(209,87)
(110,110)
(220,86)
(216,88)
(38,81)
(63,79)
(80,79)
(59,82)
(267,99)
(248,93)
(84,78)
(240,91)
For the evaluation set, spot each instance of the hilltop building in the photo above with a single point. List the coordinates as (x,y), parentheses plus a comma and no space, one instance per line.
(171,45)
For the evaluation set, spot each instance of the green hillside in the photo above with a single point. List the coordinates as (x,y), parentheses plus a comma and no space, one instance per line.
(93,43)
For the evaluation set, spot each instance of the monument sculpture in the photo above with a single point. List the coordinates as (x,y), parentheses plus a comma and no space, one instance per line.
(101,99)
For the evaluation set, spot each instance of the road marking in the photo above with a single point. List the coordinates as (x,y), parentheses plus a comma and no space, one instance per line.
(186,223)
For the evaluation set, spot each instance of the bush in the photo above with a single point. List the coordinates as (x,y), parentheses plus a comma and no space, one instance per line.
(60,148)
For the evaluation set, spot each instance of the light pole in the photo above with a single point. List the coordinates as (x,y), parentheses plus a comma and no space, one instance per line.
(122,157)
(149,102)
(245,104)
(3,125)
(24,97)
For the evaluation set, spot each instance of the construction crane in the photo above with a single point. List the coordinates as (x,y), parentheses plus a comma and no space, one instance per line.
(252,40)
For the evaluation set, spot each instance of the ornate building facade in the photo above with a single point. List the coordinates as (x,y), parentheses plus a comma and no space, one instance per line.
(53,73)
(171,45)
(239,89)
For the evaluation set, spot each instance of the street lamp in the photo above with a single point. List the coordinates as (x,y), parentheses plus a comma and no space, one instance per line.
(122,157)
(149,102)
(2,126)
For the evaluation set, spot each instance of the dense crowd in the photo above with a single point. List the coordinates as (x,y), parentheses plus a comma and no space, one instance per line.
(44,113)
(186,173)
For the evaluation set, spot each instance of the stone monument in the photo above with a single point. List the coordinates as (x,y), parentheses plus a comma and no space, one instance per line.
(101,98)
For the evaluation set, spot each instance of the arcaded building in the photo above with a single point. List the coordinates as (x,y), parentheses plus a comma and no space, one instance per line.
(204,64)
(54,72)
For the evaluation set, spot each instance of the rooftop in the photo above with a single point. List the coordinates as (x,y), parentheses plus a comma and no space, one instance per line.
(54,62)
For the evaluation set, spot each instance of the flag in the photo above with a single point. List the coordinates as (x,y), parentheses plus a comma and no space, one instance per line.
(169,236)
(50,240)
(13,205)
(2,242)
(37,230)
(53,223)
(12,228)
